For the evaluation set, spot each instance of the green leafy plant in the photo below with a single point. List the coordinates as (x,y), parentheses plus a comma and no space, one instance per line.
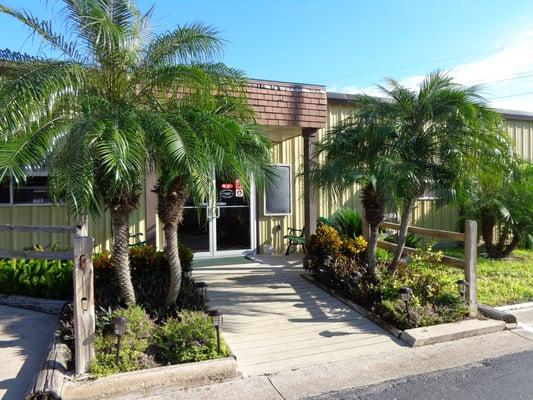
(136,342)
(150,279)
(347,221)
(36,278)
(191,338)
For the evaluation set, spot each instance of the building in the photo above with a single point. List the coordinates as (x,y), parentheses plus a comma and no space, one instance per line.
(295,116)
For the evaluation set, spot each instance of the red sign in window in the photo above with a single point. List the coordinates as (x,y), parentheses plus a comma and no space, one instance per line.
(227,186)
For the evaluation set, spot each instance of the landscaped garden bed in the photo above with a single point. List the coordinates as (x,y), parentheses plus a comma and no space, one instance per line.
(156,335)
(414,294)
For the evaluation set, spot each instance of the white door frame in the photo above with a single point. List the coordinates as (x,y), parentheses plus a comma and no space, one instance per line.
(213,211)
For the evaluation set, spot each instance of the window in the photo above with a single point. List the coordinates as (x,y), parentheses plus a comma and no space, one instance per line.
(33,191)
(278,194)
(5,191)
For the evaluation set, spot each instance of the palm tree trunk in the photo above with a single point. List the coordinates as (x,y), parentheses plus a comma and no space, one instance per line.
(372,248)
(121,234)
(170,205)
(511,246)
(402,233)
(487,232)
(374,210)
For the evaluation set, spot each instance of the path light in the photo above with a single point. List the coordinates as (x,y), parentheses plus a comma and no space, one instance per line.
(120,325)
(202,288)
(462,285)
(328,260)
(217,319)
(356,277)
(406,295)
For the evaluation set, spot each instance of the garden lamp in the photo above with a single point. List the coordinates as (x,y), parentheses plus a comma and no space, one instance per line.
(328,260)
(462,284)
(406,294)
(202,288)
(120,325)
(217,318)
(356,277)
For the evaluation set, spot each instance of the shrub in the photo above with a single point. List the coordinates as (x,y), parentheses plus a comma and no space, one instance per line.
(435,294)
(347,221)
(136,344)
(151,279)
(328,249)
(411,240)
(193,338)
(37,278)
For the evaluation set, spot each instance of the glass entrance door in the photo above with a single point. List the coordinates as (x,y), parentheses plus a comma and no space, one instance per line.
(222,226)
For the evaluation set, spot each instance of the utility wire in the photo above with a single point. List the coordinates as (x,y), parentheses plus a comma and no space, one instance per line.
(417,64)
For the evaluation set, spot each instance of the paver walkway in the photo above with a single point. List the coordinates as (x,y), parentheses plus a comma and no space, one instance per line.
(274,320)
(24,339)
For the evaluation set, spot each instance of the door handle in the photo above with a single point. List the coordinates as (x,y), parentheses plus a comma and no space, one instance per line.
(217,212)
(209,212)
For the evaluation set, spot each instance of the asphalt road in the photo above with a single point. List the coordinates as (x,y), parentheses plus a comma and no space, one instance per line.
(506,378)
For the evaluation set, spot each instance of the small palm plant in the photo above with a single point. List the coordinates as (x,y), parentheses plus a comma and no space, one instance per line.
(96,112)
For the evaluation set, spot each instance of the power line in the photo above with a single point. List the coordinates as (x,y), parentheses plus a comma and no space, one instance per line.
(414,65)
(510,95)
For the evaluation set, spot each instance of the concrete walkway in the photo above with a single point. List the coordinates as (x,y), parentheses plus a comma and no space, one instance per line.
(24,339)
(524,317)
(274,320)
(360,372)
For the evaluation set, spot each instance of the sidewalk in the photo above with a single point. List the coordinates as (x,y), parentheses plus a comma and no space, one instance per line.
(361,371)
(524,316)
(275,321)
(24,339)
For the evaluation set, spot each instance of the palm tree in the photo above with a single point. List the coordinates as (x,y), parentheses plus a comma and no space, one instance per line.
(214,133)
(441,131)
(358,151)
(409,142)
(89,112)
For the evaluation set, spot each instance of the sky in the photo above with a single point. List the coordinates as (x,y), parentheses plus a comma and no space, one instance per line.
(349,45)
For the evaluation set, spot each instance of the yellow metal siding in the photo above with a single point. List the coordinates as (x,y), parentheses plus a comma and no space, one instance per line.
(425,214)
(522,134)
(272,229)
(100,229)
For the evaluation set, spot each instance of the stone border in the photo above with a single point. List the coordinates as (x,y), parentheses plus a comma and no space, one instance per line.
(152,381)
(425,335)
(47,306)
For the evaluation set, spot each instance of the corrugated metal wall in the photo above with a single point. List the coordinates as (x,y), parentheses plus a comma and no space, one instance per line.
(58,215)
(426,214)
(272,229)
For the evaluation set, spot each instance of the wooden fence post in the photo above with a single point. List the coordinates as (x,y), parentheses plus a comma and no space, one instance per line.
(84,316)
(471,265)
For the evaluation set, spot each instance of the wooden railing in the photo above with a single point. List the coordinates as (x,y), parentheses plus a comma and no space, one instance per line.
(82,256)
(468,264)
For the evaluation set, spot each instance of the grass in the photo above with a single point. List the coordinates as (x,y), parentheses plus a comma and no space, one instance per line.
(503,282)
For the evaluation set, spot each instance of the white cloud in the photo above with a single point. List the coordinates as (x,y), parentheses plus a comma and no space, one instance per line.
(501,75)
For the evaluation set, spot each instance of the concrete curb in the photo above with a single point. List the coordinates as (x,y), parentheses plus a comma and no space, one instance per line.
(425,335)
(46,306)
(153,381)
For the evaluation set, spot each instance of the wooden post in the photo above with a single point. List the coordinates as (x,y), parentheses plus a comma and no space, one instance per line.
(471,265)
(84,316)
